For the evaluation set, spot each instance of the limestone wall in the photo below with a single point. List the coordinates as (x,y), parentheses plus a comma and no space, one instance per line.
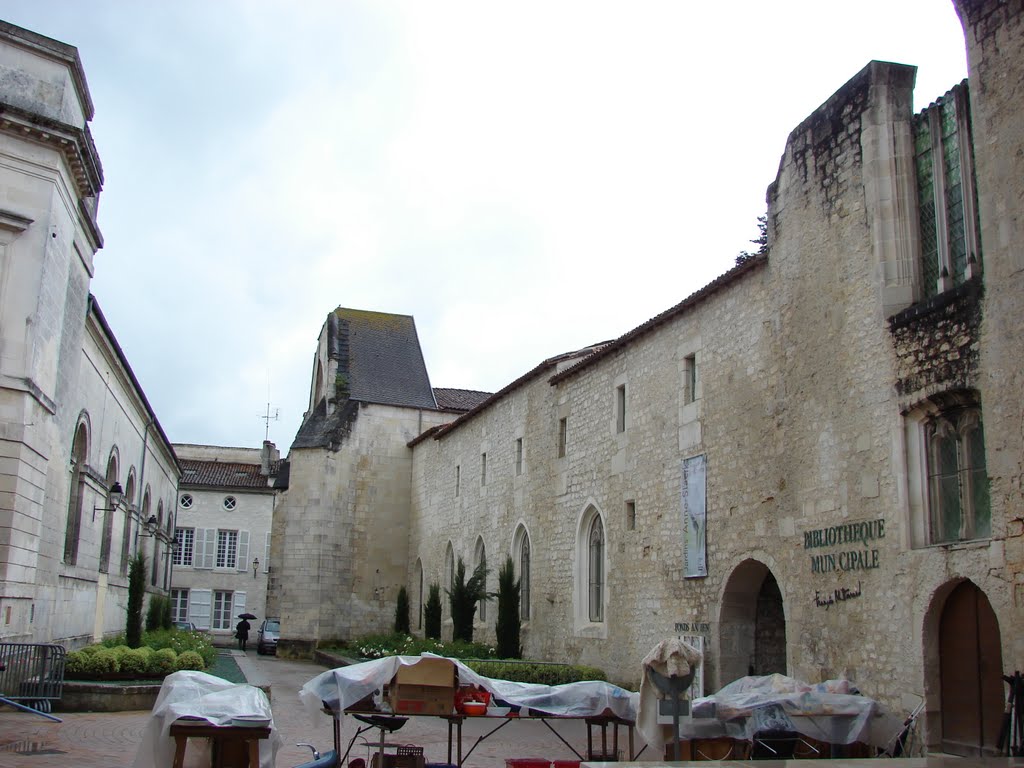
(797,411)
(339,553)
(995,38)
(59,362)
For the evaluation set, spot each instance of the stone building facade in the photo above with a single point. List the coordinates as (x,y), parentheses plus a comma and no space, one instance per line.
(75,426)
(810,466)
(339,550)
(221,559)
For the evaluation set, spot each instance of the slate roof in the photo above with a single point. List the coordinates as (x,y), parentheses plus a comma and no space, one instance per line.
(225,474)
(459,399)
(379,361)
(380,358)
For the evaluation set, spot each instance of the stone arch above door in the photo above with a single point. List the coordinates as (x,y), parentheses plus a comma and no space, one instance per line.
(963,670)
(751,624)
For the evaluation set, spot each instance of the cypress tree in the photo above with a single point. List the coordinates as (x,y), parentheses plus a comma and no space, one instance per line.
(402,612)
(508,626)
(136,595)
(432,613)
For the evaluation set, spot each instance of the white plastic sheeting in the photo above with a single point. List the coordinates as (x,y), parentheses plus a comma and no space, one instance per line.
(199,695)
(342,687)
(831,712)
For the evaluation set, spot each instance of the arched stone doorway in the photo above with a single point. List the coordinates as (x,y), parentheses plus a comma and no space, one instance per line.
(970,672)
(752,624)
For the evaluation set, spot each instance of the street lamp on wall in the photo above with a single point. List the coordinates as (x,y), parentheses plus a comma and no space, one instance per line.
(114,497)
(150,526)
(255,566)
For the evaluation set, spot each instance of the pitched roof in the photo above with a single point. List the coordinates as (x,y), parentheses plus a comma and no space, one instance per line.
(379,358)
(719,283)
(225,474)
(547,366)
(458,399)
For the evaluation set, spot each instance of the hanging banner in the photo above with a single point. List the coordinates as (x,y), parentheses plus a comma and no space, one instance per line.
(694,517)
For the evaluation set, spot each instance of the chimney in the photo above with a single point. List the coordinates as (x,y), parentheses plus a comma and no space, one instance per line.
(268,456)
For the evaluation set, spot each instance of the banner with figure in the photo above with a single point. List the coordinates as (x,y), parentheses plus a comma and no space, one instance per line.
(694,516)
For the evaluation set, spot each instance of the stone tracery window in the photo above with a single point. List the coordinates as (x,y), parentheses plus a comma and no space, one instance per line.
(524,576)
(595,569)
(958,492)
(947,478)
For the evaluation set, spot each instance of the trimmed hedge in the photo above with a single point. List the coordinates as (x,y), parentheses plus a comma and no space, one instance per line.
(165,651)
(477,656)
(397,644)
(544,674)
(190,660)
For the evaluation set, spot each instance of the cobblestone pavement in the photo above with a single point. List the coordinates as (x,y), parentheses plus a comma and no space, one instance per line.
(110,739)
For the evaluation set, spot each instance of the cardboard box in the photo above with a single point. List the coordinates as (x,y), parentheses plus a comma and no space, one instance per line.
(424,688)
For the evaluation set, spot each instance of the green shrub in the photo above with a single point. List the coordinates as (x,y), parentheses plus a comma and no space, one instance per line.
(135,661)
(76,662)
(180,641)
(136,594)
(464,597)
(432,612)
(90,649)
(104,661)
(545,674)
(158,615)
(190,660)
(396,644)
(402,612)
(162,662)
(508,627)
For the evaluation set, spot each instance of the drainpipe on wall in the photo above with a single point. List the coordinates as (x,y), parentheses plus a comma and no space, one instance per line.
(174,529)
(142,485)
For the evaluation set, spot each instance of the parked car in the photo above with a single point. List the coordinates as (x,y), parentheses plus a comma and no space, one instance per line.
(188,626)
(267,637)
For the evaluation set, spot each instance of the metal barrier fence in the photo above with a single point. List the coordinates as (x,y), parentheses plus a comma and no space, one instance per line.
(32,673)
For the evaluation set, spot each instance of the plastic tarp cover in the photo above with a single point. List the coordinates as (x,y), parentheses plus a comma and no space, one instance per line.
(670,657)
(199,695)
(831,712)
(341,688)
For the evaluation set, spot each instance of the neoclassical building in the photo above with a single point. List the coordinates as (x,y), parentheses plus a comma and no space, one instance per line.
(87,475)
(221,561)
(812,465)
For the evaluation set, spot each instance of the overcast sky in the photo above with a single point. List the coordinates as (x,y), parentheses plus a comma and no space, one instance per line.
(524,179)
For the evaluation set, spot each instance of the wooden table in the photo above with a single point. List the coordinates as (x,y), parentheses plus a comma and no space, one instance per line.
(608,748)
(233,746)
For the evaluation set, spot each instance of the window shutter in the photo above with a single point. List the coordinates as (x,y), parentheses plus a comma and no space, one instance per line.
(266,554)
(199,601)
(198,548)
(206,554)
(243,551)
(238,604)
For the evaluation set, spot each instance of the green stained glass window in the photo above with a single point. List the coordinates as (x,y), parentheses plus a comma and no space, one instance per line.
(926,204)
(958,481)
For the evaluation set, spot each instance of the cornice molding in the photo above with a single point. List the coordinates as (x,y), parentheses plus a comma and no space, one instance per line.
(75,144)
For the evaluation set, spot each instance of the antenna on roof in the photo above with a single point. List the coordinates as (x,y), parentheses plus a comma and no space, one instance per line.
(269,417)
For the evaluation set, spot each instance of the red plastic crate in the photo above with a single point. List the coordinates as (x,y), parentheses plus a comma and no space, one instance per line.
(527,762)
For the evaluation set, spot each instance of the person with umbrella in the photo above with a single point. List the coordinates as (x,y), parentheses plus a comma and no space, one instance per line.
(242,629)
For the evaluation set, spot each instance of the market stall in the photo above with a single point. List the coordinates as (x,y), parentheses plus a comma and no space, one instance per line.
(769,710)
(376,689)
(222,718)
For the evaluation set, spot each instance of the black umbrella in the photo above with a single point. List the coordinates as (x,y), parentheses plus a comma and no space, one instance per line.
(246,616)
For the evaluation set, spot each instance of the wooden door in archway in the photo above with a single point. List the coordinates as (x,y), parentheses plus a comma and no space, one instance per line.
(970,664)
